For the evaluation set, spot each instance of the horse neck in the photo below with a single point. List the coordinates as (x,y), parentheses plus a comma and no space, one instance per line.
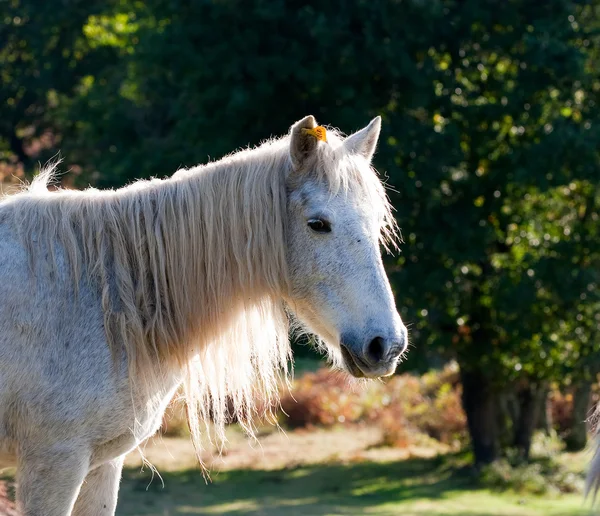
(223,242)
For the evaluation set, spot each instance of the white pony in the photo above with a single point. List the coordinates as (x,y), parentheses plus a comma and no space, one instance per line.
(112,300)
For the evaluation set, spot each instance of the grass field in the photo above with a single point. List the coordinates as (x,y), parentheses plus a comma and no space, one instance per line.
(408,487)
(322,473)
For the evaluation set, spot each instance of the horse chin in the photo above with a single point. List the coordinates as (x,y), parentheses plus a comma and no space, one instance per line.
(359,369)
(350,364)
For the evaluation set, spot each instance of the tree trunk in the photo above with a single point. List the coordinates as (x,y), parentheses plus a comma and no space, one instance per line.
(576,439)
(529,396)
(545,422)
(506,414)
(479,403)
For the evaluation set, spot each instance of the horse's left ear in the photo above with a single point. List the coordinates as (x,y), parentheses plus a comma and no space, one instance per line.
(364,142)
(302,144)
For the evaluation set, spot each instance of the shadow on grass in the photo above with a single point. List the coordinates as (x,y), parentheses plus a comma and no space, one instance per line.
(360,488)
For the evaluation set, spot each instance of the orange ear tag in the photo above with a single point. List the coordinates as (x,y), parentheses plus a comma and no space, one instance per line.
(318,132)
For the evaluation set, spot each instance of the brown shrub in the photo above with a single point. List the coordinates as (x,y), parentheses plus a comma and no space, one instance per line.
(404,406)
(324,398)
(561,410)
(7,507)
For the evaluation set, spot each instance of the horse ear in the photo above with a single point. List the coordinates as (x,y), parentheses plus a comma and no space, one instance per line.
(364,142)
(302,145)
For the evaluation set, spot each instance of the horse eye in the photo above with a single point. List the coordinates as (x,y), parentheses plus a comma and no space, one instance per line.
(319,225)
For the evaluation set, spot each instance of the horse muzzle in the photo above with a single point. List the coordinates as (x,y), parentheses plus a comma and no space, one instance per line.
(378,357)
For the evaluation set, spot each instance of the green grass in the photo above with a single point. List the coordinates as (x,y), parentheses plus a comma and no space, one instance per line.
(414,487)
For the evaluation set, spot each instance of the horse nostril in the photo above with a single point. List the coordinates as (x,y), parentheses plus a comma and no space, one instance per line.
(375,349)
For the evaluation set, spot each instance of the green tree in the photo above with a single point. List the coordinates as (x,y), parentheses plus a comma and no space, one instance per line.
(504,217)
(43,55)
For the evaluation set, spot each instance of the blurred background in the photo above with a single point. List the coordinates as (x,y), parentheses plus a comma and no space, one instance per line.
(491,150)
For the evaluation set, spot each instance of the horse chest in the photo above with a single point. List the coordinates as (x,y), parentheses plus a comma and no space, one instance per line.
(136,424)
